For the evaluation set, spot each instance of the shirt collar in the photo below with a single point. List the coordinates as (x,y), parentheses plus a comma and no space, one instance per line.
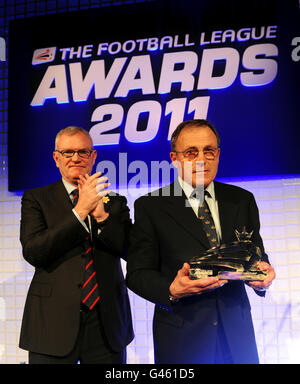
(188,189)
(69,187)
(211,190)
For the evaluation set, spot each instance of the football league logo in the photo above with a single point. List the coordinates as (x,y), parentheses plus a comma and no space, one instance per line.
(43,55)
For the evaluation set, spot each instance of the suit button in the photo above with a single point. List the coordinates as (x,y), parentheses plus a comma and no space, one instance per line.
(215,323)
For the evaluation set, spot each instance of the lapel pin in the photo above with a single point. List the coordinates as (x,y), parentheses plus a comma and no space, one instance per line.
(105,199)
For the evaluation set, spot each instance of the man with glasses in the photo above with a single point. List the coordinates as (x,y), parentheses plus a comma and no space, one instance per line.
(207,320)
(74,234)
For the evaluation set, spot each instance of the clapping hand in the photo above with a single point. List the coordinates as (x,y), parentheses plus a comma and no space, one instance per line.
(91,191)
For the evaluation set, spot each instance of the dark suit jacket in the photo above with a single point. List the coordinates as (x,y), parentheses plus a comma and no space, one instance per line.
(52,240)
(166,234)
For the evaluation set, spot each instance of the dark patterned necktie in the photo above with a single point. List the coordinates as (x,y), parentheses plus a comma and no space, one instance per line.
(90,291)
(208,223)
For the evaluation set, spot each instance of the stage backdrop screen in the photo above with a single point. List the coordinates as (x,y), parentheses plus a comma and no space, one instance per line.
(129,74)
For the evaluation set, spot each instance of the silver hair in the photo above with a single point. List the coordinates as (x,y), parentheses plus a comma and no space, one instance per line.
(70,131)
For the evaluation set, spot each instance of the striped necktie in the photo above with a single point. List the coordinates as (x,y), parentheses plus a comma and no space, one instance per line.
(208,223)
(90,290)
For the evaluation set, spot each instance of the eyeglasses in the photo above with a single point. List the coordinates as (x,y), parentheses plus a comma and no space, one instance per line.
(192,153)
(68,153)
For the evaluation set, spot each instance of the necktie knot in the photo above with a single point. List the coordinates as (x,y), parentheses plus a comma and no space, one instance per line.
(198,193)
(75,196)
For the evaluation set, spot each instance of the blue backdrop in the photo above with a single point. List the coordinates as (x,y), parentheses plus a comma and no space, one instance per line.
(129,74)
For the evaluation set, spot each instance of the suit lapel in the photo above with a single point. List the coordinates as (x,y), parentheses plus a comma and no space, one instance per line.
(60,194)
(177,206)
(227,213)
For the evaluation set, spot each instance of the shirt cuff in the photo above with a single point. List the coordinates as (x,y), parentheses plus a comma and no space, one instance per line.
(80,220)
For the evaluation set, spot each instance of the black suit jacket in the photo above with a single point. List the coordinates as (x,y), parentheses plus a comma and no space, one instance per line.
(52,240)
(166,233)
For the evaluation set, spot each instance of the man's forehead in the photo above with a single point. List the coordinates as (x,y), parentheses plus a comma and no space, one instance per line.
(194,132)
(77,139)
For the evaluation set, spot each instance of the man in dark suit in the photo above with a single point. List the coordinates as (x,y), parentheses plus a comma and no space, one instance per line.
(195,321)
(74,234)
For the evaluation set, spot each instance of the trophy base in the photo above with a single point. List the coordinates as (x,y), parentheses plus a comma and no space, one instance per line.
(249,276)
(199,273)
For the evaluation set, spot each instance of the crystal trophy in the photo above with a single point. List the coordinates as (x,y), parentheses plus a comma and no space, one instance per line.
(233,261)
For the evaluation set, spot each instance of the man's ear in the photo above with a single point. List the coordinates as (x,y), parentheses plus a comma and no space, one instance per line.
(55,157)
(94,154)
(173,158)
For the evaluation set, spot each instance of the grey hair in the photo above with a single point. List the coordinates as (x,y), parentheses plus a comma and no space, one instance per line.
(70,131)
